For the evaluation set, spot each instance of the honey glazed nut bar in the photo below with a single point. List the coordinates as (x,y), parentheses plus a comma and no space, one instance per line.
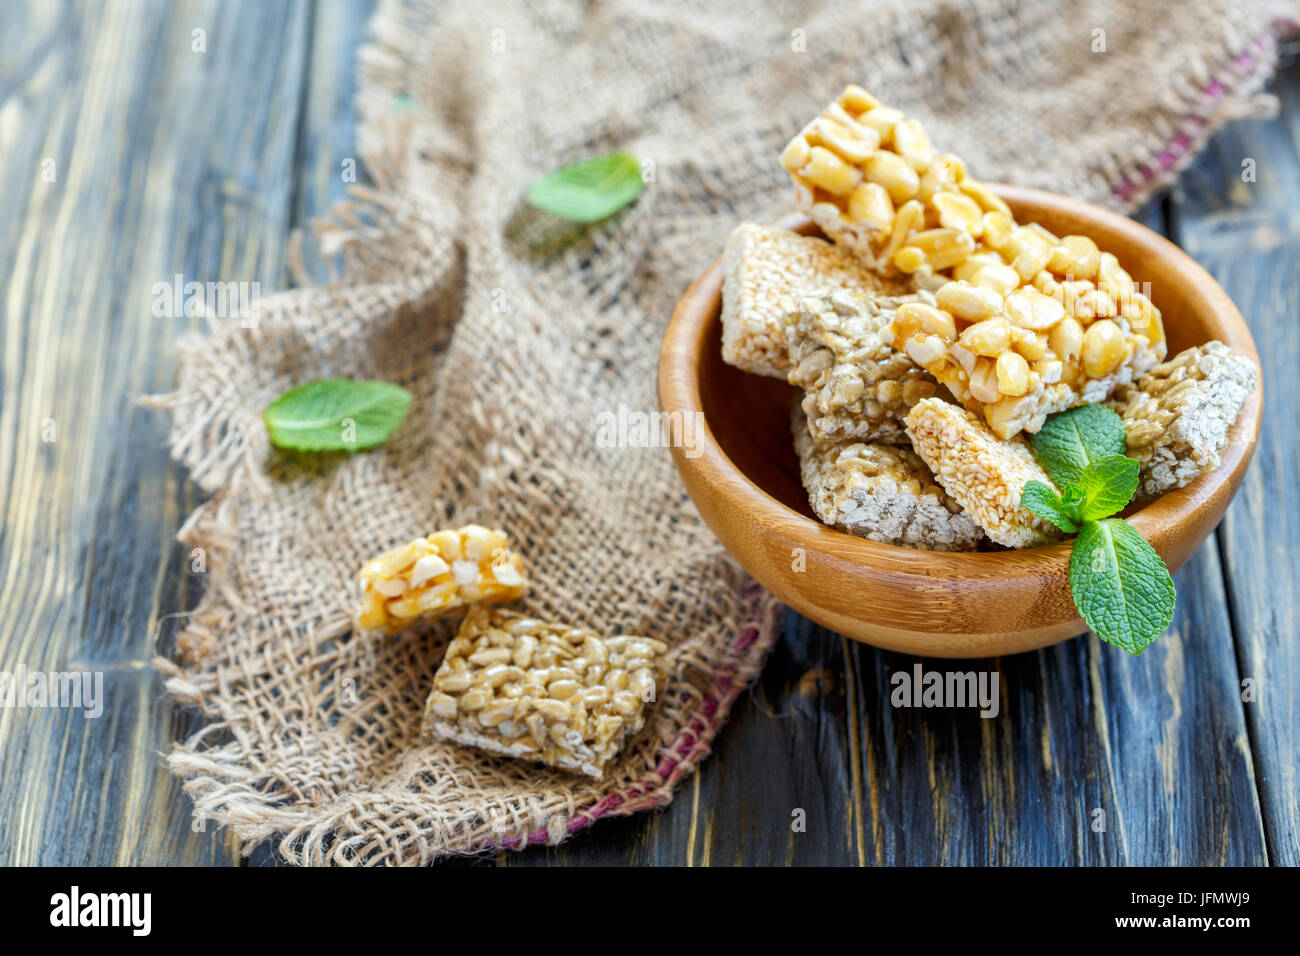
(985,474)
(856,385)
(765,270)
(436,574)
(542,691)
(1023,323)
(1178,416)
(881,492)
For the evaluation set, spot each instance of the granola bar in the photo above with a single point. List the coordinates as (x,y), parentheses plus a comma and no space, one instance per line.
(984,473)
(855,384)
(766,269)
(1178,416)
(543,691)
(1023,323)
(881,492)
(437,574)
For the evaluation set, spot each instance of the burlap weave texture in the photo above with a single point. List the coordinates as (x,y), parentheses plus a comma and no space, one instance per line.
(516,333)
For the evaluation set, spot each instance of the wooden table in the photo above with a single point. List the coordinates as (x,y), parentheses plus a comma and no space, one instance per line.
(168,160)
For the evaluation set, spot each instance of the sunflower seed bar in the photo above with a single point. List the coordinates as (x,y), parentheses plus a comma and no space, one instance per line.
(437,574)
(1177,417)
(766,268)
(881,492)
(542,691)
(1023,323)
(855,384)
(984,473)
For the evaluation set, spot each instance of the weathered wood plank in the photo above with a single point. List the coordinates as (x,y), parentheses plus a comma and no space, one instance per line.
(327,125)
(1247,234)
(169,159)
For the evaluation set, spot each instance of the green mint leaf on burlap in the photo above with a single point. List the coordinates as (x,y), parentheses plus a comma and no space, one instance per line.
(1107,485)
(590,190)
(1043,501)
(1120,585)
(1072,440)
(336,414)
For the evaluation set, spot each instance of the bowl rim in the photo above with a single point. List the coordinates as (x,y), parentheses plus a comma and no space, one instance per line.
(1158,520)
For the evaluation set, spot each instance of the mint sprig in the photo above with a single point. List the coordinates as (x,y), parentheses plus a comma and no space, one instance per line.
(1107,485)
(336,414)
(590,190)
(1121,587)
(1043,501)
(1073,440)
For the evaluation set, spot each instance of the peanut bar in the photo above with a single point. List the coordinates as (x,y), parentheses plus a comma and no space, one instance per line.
(766,268)
(1023,323)
(1178,416)
(439,573)
(881,492)
(855,384)
(542,691)
(984,473)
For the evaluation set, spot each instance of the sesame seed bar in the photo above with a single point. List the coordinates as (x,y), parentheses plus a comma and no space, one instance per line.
(1177,417)
(765,269)
(855,384)
(984,473)
(542,691)
(881,492)
(439,573)
(1023,323)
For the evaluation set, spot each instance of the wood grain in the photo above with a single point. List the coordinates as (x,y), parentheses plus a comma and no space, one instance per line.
(1248,235)
(170,161)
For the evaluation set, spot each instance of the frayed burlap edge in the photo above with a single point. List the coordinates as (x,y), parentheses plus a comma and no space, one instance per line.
(219,778)
(1223,87)
(216,763)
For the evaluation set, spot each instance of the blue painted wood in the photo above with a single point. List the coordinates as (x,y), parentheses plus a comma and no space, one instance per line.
(1247,234)
(173,152)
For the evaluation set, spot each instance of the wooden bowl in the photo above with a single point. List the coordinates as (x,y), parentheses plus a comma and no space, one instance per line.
(744,478)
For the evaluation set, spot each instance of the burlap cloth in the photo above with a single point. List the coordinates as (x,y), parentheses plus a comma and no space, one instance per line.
(515,333)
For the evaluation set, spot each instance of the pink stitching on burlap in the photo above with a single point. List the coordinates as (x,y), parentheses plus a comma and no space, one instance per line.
(1182,141)
(704,725)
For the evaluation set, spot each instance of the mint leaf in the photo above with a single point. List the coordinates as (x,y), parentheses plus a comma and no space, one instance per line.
(1120,585)
(1072,440)
(1107,485)
(590,190)
(336,414)
(1043,501)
